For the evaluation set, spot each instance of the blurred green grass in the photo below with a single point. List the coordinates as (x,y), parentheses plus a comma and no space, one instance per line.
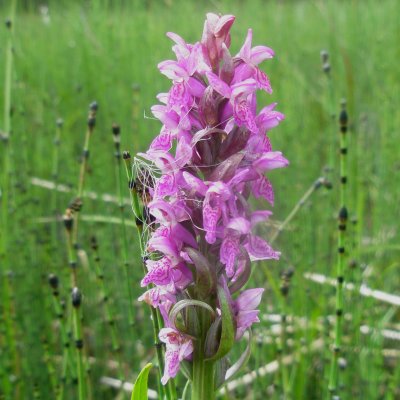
(86,51)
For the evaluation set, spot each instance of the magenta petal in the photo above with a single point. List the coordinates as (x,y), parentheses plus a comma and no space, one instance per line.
(172,70)
(259,249)
(219,85)
(249,299)
(162,142)
(270,160)
(165,186)
(228,253)
(244,88)
(171,365)
(159,274)
(260,53)
(195,183)
(262,187)
(245,320)
(224,25)
(245,51)
(239,224)
(259,216)
(210,220)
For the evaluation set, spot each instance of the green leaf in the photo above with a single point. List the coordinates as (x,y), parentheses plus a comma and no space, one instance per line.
(140,388)
(227,326)
(182,305)
(205,278)
(243,359)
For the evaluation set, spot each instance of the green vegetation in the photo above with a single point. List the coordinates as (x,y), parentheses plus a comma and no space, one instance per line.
(58,59)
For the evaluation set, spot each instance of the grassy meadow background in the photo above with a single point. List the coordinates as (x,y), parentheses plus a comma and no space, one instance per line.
(69,53)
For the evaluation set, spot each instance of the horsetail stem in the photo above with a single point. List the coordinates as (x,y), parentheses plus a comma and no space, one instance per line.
(116,346)
(55,387)
(8,340)
(54,174)
(116,131)
(91,123)
(76,299)
(342,219)
(76,302)
(326,68)
(135,112)
(286,277)
(67,363)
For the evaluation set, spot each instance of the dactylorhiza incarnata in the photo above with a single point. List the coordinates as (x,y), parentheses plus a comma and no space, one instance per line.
(211,155)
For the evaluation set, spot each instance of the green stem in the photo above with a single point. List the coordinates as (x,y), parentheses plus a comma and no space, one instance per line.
(79,355)
(8,339)
(333,375)
(116,347)
(128,279)
(203,385)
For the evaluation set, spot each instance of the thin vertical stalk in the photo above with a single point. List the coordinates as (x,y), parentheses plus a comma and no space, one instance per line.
(76,299)
(55,387)
(67,363)
(119,171)
(203,386)
(76,309)
(343,215)
(286,277)
(110,320)
(8,340)
(91,123)
(54,175)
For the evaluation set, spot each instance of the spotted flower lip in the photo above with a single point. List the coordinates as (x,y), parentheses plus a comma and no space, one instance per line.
(212,155)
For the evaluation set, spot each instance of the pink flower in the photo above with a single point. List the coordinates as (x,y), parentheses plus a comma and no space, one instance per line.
(178,347)
(211,156)
(245,312)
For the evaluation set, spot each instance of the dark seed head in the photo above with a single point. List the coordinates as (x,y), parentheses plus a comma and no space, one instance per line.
(53,281)
(326,183)
(76,204)
(326,67)
(343,214)
(93,106)
(126,155)
(8,23)
(93,243)
(116,130)
(76,297)
(91,121)
(68,220)
(324,56)
(59,122)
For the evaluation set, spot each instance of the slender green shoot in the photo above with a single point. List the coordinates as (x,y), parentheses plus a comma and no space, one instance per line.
(342,219)
(119,171)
